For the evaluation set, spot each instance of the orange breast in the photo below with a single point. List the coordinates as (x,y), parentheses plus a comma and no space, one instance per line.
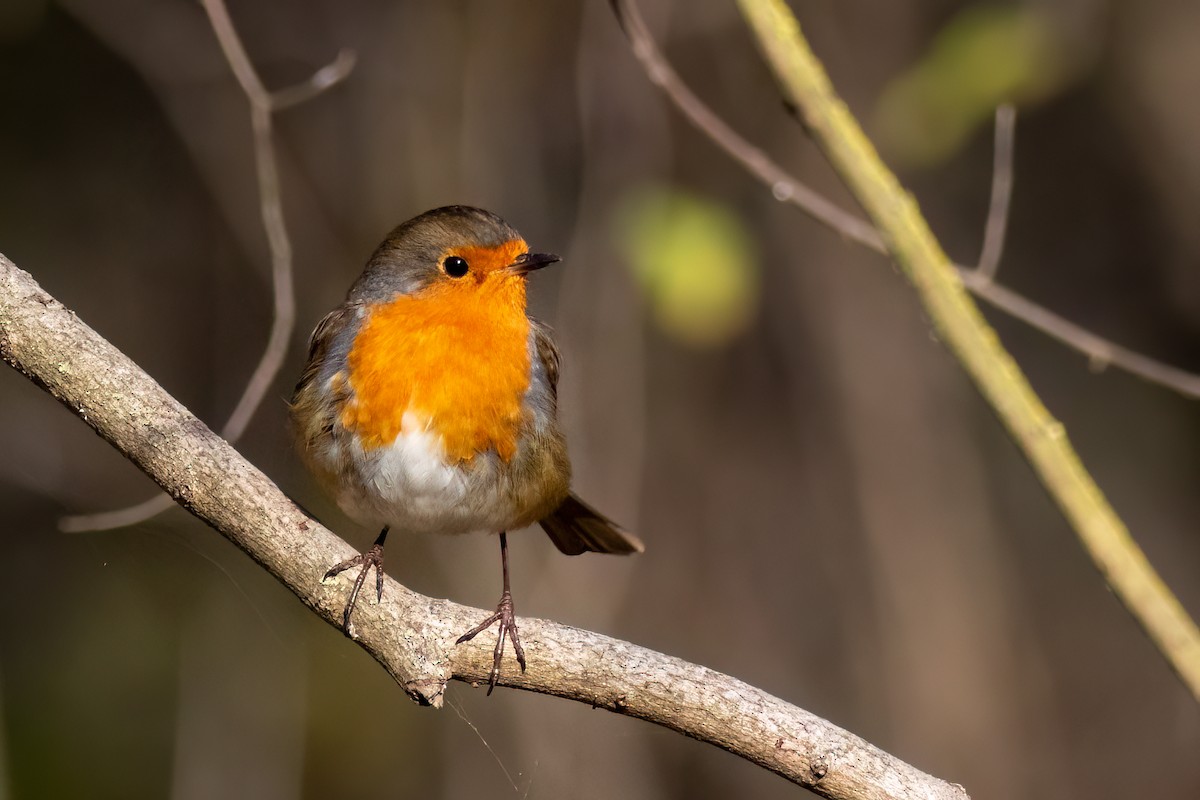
(453,359)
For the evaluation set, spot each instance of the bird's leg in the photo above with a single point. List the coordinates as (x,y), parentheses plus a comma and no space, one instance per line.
(372,558)
(507,619)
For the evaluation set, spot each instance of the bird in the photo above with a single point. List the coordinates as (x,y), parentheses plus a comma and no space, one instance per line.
(428,403)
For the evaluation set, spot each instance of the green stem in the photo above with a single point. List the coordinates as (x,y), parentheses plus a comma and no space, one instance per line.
(964,330)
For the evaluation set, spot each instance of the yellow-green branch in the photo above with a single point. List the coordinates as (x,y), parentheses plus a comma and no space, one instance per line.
(964,330)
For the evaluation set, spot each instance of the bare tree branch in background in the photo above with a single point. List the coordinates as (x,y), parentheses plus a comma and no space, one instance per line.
(788,188)
(1100,351)
(412,636)
(263,104)
(966,333)
(996,227)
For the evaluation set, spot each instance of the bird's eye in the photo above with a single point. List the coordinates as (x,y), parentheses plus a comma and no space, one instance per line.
(455,267)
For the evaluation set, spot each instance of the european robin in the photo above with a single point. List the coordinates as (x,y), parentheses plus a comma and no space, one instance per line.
(429,402)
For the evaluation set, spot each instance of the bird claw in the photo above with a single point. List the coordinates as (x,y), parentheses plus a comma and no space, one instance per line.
(508,628)
(372,558)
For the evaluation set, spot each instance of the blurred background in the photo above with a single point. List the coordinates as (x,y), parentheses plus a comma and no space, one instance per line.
(831,513)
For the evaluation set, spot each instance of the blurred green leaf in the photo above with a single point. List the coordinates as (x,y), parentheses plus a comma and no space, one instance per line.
(693,259)
(985,56)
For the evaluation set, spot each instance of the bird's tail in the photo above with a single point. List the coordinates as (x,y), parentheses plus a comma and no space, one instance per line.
(575,527)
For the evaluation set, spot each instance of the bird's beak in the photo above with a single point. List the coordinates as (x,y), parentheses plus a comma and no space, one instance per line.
(528,262)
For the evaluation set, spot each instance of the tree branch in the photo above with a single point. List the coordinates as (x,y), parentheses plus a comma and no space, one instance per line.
(964,330)
(263,104)
(412,636)
(996,227)
(787,188)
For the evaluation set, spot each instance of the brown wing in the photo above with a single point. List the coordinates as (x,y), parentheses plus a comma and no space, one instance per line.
(318,344)
(547,353)
(312,410)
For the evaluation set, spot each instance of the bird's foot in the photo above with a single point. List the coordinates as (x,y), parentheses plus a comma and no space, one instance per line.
(508,628)
(373,558)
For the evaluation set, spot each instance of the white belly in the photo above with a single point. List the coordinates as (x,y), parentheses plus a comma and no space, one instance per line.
(409,486)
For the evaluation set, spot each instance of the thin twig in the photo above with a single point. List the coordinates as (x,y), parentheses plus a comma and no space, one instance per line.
(966,333)
(262,105)
(410,635)
(788,188)
(323,79)
(996,228)
(1100,352)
